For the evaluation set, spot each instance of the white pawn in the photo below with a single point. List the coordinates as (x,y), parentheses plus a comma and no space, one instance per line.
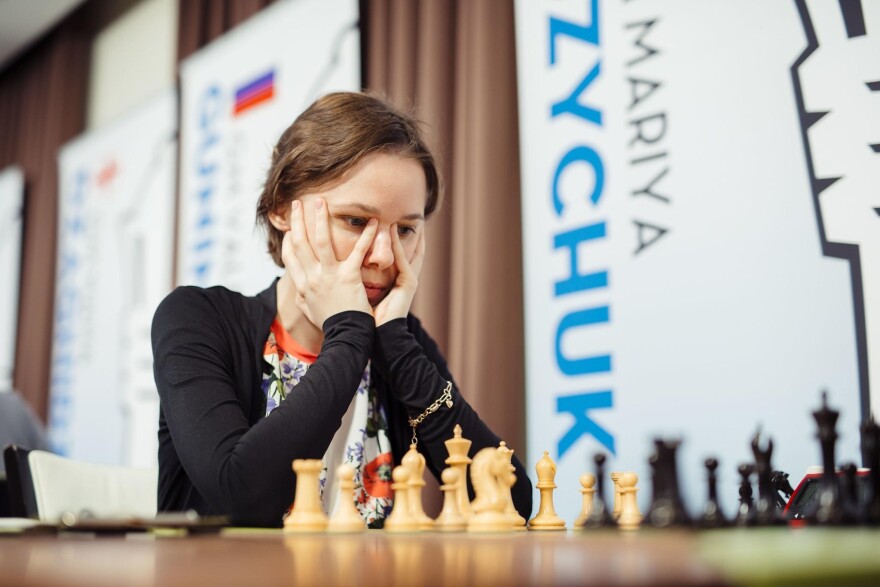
(588,489)
(630,516)
(415,462)
(450,519)
(400,519)
(615,477)
(346,518)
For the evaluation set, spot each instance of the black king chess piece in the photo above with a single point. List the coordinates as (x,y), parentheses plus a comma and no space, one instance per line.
(829,509)
(745,515)
(766,513)
(870,433)
(600,517)
(712,515)
(667,509)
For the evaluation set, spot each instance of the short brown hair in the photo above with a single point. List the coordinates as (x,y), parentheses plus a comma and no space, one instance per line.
(332,136)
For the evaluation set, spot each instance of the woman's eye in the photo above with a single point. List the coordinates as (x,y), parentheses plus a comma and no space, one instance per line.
(355,222)
(405,230)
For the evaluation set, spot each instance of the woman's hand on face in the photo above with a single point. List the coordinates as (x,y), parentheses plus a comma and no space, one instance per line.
(324,285)
(398,301)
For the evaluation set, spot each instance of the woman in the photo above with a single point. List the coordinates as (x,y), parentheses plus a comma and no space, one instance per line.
(327,363)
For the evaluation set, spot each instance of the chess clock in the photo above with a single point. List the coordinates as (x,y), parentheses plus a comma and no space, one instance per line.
(805,498)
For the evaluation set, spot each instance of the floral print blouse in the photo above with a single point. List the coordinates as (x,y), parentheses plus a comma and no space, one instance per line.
(361,441)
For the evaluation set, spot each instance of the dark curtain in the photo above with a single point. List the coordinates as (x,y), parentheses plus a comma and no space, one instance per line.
(42,106)
(202,21)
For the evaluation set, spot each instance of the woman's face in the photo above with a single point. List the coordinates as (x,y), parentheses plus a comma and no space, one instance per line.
(388,187)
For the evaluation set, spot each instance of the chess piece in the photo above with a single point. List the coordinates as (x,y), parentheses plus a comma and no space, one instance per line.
(588,483)
(346,518)
(766,513)
(517,522)
(667,509)
(458,448)
(849,496)
(712,515)
(489,480)
(780,484)
(450,519)
(415,462)
(615,476)
(870,435)
(600,517)
(829,510)
(401,519)
(629,517)
(307,515)
(656,486)
(746,512)
(546,520)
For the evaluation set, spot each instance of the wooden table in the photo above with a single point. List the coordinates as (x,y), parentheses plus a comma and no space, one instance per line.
(241,557)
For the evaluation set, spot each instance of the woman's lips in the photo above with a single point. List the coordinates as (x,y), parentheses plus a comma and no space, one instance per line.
(375,293)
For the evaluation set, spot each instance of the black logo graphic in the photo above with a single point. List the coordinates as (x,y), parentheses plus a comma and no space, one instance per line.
(837,88)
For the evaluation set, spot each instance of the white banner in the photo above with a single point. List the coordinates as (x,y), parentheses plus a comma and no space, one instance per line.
(11,202)
(238,94)
(115,254)
(683,277)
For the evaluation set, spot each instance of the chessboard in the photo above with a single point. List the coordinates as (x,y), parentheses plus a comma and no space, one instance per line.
(240,556)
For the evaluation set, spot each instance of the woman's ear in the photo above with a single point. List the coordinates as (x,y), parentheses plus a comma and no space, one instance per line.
(280,218)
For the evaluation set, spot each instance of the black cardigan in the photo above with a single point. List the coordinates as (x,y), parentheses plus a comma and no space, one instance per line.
(220,454)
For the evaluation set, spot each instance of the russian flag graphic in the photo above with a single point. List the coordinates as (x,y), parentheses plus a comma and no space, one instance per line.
(255,92)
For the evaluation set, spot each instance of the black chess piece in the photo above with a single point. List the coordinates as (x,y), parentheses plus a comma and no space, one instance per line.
(781,486)
(746,512)
(712,515)
(849,495)
(766,513)
(600,517)
(667,509)
(828,510)
(656,486)
(870,434)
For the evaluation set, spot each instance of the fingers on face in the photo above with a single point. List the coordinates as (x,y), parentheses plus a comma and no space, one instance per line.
(323,244)
(359,252)
(397,248)
(299,237)
(405,263)
(421,248)
(291,262)
(286,248)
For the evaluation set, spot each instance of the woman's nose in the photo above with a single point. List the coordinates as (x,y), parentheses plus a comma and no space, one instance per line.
(380,255)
